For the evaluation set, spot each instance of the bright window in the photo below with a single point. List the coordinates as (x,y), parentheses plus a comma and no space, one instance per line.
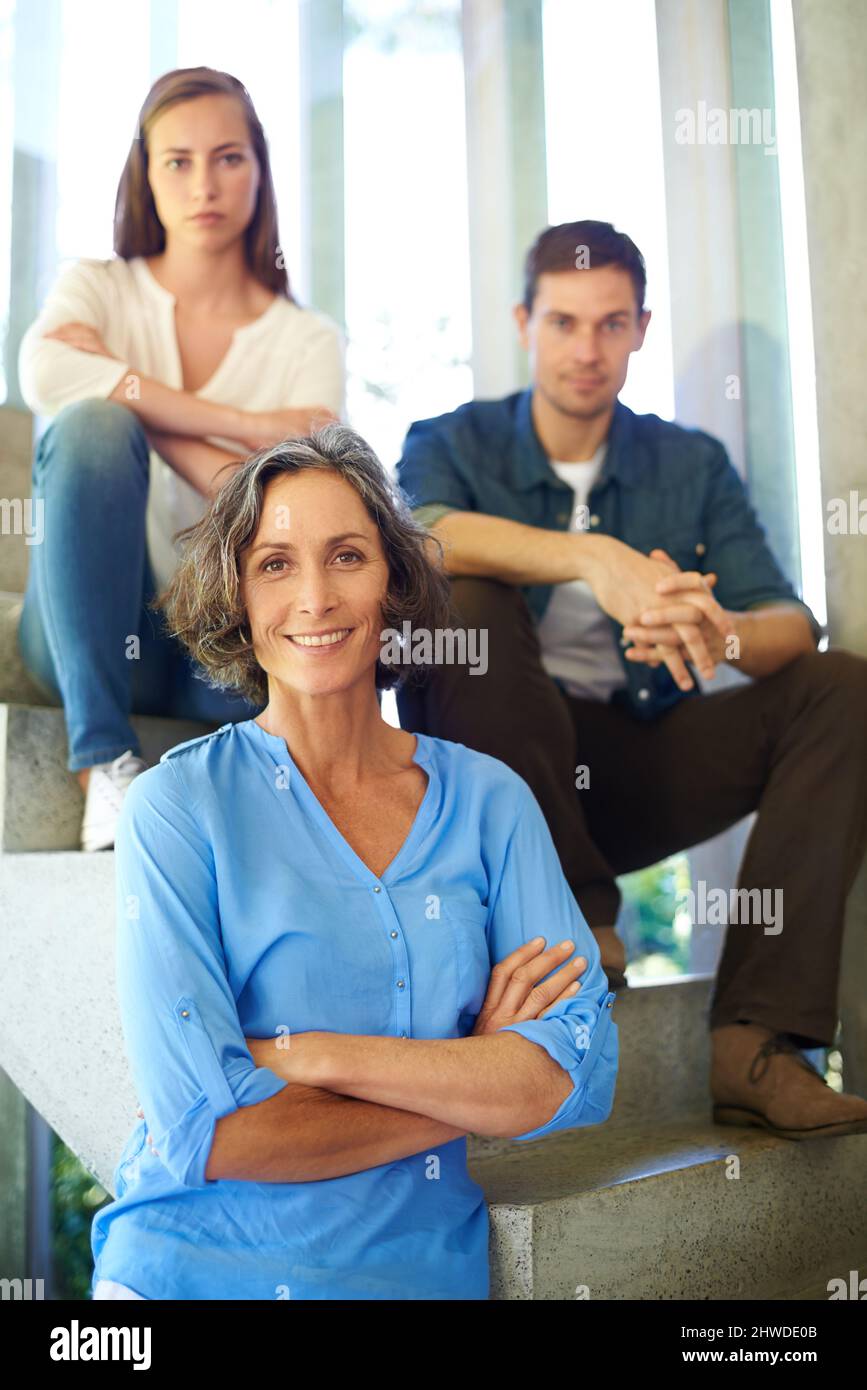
(603,130)
(407,243)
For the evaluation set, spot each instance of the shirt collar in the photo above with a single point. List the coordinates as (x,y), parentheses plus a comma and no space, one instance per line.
(530,463)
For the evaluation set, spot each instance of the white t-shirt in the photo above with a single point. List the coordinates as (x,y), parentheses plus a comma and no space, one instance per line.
(578,645)
(287,357)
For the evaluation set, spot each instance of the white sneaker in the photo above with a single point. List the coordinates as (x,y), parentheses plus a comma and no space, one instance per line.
(106,789)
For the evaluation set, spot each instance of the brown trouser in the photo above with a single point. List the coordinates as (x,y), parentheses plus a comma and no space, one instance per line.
(792,746)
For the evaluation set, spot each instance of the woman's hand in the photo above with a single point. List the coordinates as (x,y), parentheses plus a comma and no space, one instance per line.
(514,994)
(262,429)
(79,335)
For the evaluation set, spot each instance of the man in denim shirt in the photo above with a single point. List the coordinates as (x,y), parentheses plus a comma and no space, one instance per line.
(612,559)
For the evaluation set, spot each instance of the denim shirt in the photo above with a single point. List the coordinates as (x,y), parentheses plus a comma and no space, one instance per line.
(661,485)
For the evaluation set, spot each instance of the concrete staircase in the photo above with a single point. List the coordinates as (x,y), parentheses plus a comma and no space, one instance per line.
(658,1203)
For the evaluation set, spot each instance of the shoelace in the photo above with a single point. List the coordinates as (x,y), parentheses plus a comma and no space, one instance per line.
(124,768)
(118,774)
(780,1042)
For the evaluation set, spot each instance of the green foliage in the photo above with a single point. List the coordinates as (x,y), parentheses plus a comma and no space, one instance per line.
(77,1196)
(657,939)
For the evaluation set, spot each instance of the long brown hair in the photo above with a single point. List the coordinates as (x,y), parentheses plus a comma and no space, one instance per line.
(138,230)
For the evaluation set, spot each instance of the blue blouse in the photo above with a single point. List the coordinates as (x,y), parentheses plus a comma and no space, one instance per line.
(242,911)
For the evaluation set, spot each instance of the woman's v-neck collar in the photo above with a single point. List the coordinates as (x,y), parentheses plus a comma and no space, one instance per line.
(278,750)
(240,334)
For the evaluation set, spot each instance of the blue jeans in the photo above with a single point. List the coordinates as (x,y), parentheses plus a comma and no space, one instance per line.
(87,587)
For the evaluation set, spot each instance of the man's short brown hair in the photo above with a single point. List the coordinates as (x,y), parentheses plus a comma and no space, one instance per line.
(587,245)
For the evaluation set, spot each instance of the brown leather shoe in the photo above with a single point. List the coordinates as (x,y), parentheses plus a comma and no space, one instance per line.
(759,1077)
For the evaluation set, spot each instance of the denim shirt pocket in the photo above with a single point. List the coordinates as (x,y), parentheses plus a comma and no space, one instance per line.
(203,1056)
(686,543)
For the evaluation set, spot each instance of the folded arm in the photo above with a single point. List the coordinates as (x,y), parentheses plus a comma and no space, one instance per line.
(306,1134)
(500,1085)
(204,466)
(211,1112)
(215,1111)
(556,1071)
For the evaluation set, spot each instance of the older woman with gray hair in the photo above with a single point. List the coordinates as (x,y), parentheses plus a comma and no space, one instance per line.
(332,949)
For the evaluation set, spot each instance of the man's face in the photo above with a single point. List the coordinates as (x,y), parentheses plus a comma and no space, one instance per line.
(582,328)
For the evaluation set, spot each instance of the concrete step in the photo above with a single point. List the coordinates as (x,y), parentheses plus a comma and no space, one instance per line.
(41,803)
(17,686)
(675,1212)
(645,1206)
(60,1035)
(16,459)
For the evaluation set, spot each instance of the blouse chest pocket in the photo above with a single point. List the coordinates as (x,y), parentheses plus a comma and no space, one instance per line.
(466,922)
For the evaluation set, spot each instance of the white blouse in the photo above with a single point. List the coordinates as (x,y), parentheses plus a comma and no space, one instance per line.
(287,357)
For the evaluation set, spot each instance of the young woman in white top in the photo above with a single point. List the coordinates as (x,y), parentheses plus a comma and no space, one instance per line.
(161,369)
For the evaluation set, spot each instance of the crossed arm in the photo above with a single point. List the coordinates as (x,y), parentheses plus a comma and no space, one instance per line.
(364,1111)
(355,1101)
(181,425)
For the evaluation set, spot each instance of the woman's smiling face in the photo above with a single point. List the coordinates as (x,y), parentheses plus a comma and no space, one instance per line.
(313,581)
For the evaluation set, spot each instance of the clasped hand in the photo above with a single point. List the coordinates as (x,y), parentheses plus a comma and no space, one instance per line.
(691,625)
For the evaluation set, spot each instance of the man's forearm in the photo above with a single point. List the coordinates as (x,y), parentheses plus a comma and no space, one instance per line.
(499,1084)
(769,638)
(306,1134)
(177,412)
(490,547)
(205,466)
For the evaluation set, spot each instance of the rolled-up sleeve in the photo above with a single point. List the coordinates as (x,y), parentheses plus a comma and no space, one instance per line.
(189,1061)
(53,374)
(534,899)
(748,575)
(430,470)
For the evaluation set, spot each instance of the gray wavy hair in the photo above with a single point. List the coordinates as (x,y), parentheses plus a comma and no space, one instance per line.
(202,604)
